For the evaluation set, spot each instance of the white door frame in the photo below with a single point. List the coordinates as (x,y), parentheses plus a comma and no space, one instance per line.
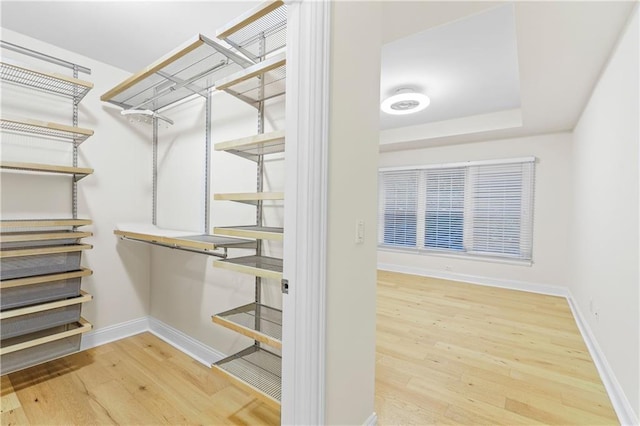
(307,130)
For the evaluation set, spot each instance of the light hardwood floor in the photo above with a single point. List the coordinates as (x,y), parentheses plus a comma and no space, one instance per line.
(447,353)
(454,353)
(140,380)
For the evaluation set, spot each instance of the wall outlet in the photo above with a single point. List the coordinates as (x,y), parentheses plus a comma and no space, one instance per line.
(359,231)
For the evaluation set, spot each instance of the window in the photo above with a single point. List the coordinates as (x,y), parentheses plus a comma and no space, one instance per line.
(476,208)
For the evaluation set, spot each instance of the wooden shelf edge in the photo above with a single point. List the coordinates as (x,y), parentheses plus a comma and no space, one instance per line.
(171,241)
(253,71)
(78,82)
(83,328)
(48,168)
(172,56)
(18,282)
(248,17)
(52,126)
(245,233)
(11,313)
(250,196)
(6,254)
(249,270)
(42,236)
(43,223)
(247,387)
(250,141)
(248,332)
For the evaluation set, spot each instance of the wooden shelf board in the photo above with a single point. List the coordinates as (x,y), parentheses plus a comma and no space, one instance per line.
(248,18)
(11,313)
(71,133)
(242,320)
(258,266)
(18,282)
(8,253)
(43,223)
(257,232)
(46,168)
(250,196)
(52,75)
(252,142)
(12,237)
(198,242)
(256,70)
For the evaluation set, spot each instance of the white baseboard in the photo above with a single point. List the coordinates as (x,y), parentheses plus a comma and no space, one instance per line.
(372,420)
(179,340)
(620,402)
(621,405)
(187,344)
(114,332)
(548,289)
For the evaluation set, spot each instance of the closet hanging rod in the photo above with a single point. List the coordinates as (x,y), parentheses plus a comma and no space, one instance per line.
(175,247)
(43,56)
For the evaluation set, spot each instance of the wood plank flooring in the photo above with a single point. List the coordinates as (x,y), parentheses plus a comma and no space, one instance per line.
(140,380)
(455,353)
(447,353)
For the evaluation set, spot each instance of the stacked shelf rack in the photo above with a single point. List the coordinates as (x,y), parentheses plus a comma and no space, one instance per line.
(40,276)
(257,34)
(253,70)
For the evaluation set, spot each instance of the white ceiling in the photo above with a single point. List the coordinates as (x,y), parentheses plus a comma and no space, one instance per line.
(562,48)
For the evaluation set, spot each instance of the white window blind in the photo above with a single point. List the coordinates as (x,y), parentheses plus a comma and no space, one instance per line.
(482,209)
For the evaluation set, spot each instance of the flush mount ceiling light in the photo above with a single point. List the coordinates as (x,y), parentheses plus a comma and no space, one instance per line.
(405,101)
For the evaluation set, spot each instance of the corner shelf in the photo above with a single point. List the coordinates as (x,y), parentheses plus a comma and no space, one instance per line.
(52,130)
(250,197)
(255,370)
(191,69)
(254,146)
(49,82)
(259,82)
(243,320)
(14,237)
(268,20)
(258,266)
(43,223)
(251,231)
(77,172)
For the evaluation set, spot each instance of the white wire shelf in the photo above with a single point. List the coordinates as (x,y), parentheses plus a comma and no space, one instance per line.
(258,266)
(260,82)
(266,21)
(77,172)
(191,69)
(51,130)
(255,370)
(257,321)
(253,147)
(15,237)
(251,231)
(49,82)
(250,197)
(42,223)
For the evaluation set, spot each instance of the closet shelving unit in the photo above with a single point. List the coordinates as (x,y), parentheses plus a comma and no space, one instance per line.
(40,278)
(190,70)
(257,34)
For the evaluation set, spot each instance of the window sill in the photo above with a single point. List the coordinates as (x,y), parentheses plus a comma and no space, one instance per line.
(473,257)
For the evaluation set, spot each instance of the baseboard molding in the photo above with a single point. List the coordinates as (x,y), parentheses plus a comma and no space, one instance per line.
(548,289)
(621,405)
(372,420)
(115,332)
(184,343)
(179,340)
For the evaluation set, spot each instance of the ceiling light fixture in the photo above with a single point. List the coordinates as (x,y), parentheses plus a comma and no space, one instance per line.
(405,101)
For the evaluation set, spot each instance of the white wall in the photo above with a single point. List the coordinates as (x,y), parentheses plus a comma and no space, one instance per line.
(604,231)
(551,213)
(352,183)
(118,191)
